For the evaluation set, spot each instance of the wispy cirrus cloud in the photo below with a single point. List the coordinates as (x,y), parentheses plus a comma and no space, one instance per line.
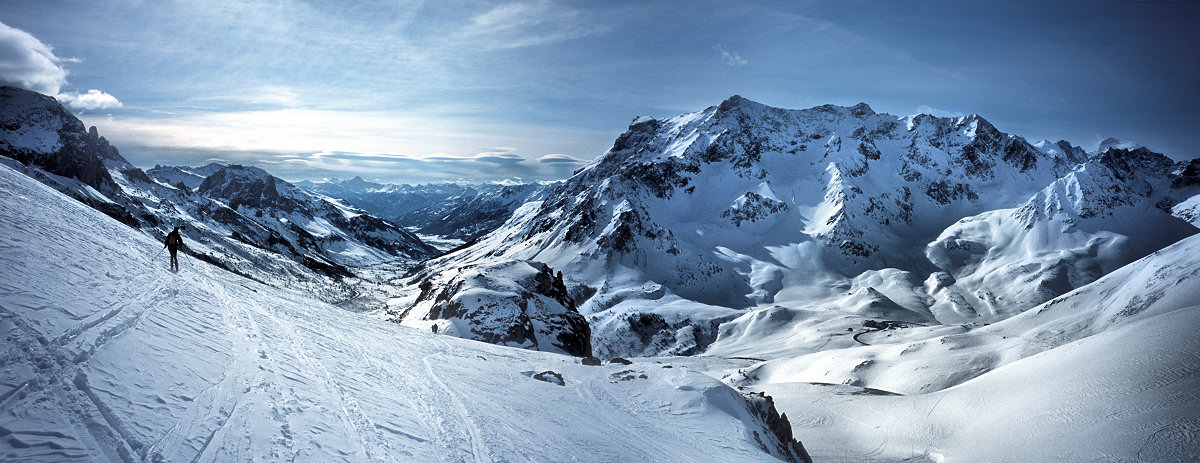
(729,56)
(268,96)
(524,24)
(314,143)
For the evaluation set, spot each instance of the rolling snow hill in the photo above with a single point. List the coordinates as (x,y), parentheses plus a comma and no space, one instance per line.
(1108,372)
(109,357)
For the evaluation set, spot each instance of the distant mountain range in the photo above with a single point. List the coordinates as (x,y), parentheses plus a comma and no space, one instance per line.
(239,218)
(691,229)
(449,211)
(902,287)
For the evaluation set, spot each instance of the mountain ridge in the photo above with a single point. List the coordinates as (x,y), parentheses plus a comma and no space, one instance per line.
(741,205)
(39,137)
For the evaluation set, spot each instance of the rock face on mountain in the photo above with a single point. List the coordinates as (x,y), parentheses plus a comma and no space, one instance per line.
(189,177)
(346,235)
(714,216)
(515,303)
(36,129)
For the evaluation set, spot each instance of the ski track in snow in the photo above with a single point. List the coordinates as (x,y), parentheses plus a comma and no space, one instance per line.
(108,356)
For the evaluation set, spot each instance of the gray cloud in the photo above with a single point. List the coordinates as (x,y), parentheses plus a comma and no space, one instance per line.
(559,159)
(28,63)
(499,158)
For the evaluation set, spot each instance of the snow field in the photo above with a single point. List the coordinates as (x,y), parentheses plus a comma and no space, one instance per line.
(1108,372)
(109,356)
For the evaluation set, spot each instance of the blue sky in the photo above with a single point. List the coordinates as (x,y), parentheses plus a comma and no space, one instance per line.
(487,91)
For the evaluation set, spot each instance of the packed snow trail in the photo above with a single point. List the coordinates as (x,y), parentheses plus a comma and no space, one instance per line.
(108,356)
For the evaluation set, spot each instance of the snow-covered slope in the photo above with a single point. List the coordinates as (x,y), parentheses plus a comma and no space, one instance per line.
(387,200)
(44,141)
(472,214)
(189,177)
(832,215)
(108,357)
(1106,372)
(456,213)
(344,234)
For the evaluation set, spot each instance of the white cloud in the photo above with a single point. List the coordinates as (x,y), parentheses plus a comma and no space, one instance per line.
(502,156)
(28,63)
(729,57)
(525,24)
(937,112)
(559,159)
(269,96)
(90,101)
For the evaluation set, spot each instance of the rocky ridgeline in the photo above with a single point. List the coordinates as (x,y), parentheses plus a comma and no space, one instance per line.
(741,204)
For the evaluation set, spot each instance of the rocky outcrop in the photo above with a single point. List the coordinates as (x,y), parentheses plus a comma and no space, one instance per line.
(35,129)
(776,437)
(520,304)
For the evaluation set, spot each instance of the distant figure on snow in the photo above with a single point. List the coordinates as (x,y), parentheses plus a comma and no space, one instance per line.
(173,243)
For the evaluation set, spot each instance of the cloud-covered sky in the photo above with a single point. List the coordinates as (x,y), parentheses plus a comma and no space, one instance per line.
(487,91)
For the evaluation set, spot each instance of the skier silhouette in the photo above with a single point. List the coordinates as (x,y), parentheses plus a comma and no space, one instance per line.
(173,243)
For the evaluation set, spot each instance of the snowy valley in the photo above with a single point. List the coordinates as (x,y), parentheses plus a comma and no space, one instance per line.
(878,287)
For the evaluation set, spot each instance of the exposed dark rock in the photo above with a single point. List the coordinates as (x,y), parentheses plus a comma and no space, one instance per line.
(777,438)
(1187,174)
(515,312)
(79,152)
(550,377)
(628,375)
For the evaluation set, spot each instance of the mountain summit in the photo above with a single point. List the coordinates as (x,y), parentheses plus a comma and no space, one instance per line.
(692,221)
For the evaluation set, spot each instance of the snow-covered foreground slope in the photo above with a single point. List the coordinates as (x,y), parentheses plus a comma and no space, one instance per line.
(108,356)
(1130,394)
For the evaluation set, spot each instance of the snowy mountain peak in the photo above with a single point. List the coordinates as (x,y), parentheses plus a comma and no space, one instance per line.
(741,205)
(1138,161)
(1110,143)
(1062,149)
(862,109)
(251,186)
(36,129)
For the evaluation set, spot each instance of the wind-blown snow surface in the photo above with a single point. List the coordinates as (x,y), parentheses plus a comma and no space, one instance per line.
(108,356)
(1108,372)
